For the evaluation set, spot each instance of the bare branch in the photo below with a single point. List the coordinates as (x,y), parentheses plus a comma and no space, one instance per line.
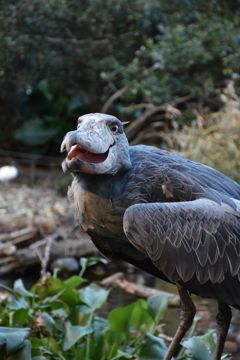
(150,110)
(112,98)
(117,280)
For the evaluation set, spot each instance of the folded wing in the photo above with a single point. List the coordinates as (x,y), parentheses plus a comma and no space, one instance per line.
(190,238)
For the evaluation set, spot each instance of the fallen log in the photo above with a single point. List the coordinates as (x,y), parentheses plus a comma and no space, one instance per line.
(35,253)
(19,235)
(12,226)
(118,281)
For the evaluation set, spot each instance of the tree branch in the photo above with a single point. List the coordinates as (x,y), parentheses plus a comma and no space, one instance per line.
(112,98)
(150,110)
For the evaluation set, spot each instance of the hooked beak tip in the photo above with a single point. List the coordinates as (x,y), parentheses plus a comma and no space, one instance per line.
(63,146)
(68,141)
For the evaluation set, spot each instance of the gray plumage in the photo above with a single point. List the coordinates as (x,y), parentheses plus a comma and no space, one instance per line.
(174,218)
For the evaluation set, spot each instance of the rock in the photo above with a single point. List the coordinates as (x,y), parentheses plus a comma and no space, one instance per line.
(65,264)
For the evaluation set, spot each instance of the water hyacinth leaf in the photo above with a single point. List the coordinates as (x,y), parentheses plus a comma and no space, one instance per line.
(99,325)
(20,316)
(120,319)
(157,306)
(74,333)
(8,289)
(127,354)
(54,288)
(85,262)
(21,303)
(141,319)
(70,297)
(36,343)
(201,347)
(143,303)
(94,297)
(13,338)
(80,315)
(48,321)
(58,307)
(79,354)
(109,344)
(24,353)
(50,287)
(20,289)
(74,281)
(51,345)
(153,348)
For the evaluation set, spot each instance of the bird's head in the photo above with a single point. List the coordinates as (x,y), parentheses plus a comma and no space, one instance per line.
(98,146)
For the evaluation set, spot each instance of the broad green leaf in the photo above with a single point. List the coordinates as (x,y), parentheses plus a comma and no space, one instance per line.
(80,315)
(21,303)
(85,262)
(120,319)
(125,354)
(141,319)
(60,313)
(24,353)
(58,306)
(20,317)
(108,345)
(51,345)
(51,287)
(57,289)
(69,296)
(201,347)
(39,357)
(153,348)
(48,321)
(8,289)
(74,281)
(14,338)
(157,306)
(143,303)
(20,289)
(99,325)
(80,354)
(36,342)
(94,297)
(74,333)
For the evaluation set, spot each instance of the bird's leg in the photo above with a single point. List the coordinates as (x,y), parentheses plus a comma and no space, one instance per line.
(223,320)
(187,314)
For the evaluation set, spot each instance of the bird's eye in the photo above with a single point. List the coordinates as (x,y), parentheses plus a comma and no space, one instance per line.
(114,128)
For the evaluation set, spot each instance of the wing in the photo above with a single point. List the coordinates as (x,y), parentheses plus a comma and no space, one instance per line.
(172,178)
(183,239)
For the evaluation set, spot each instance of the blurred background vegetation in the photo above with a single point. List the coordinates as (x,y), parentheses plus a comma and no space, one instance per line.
(170,68)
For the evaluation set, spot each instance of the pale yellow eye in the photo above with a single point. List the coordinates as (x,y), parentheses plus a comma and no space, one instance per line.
(114,128)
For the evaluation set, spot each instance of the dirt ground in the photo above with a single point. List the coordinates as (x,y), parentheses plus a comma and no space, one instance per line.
(37,226)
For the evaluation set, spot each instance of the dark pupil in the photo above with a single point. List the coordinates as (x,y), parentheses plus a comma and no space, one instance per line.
(114,128)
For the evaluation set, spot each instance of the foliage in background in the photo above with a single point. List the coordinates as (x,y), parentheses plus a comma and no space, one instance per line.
(61,58)
(51,118)
(213,139)
(55,321)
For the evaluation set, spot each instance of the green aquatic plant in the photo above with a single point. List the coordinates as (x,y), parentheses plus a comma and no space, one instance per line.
(57,321)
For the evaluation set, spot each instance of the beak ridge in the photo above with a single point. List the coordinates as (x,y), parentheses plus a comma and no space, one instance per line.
(68,141)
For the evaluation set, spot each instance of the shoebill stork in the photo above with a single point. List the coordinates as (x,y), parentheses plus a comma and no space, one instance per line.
(169,216)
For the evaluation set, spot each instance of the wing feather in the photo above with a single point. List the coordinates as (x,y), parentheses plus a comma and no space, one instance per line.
(197,237)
